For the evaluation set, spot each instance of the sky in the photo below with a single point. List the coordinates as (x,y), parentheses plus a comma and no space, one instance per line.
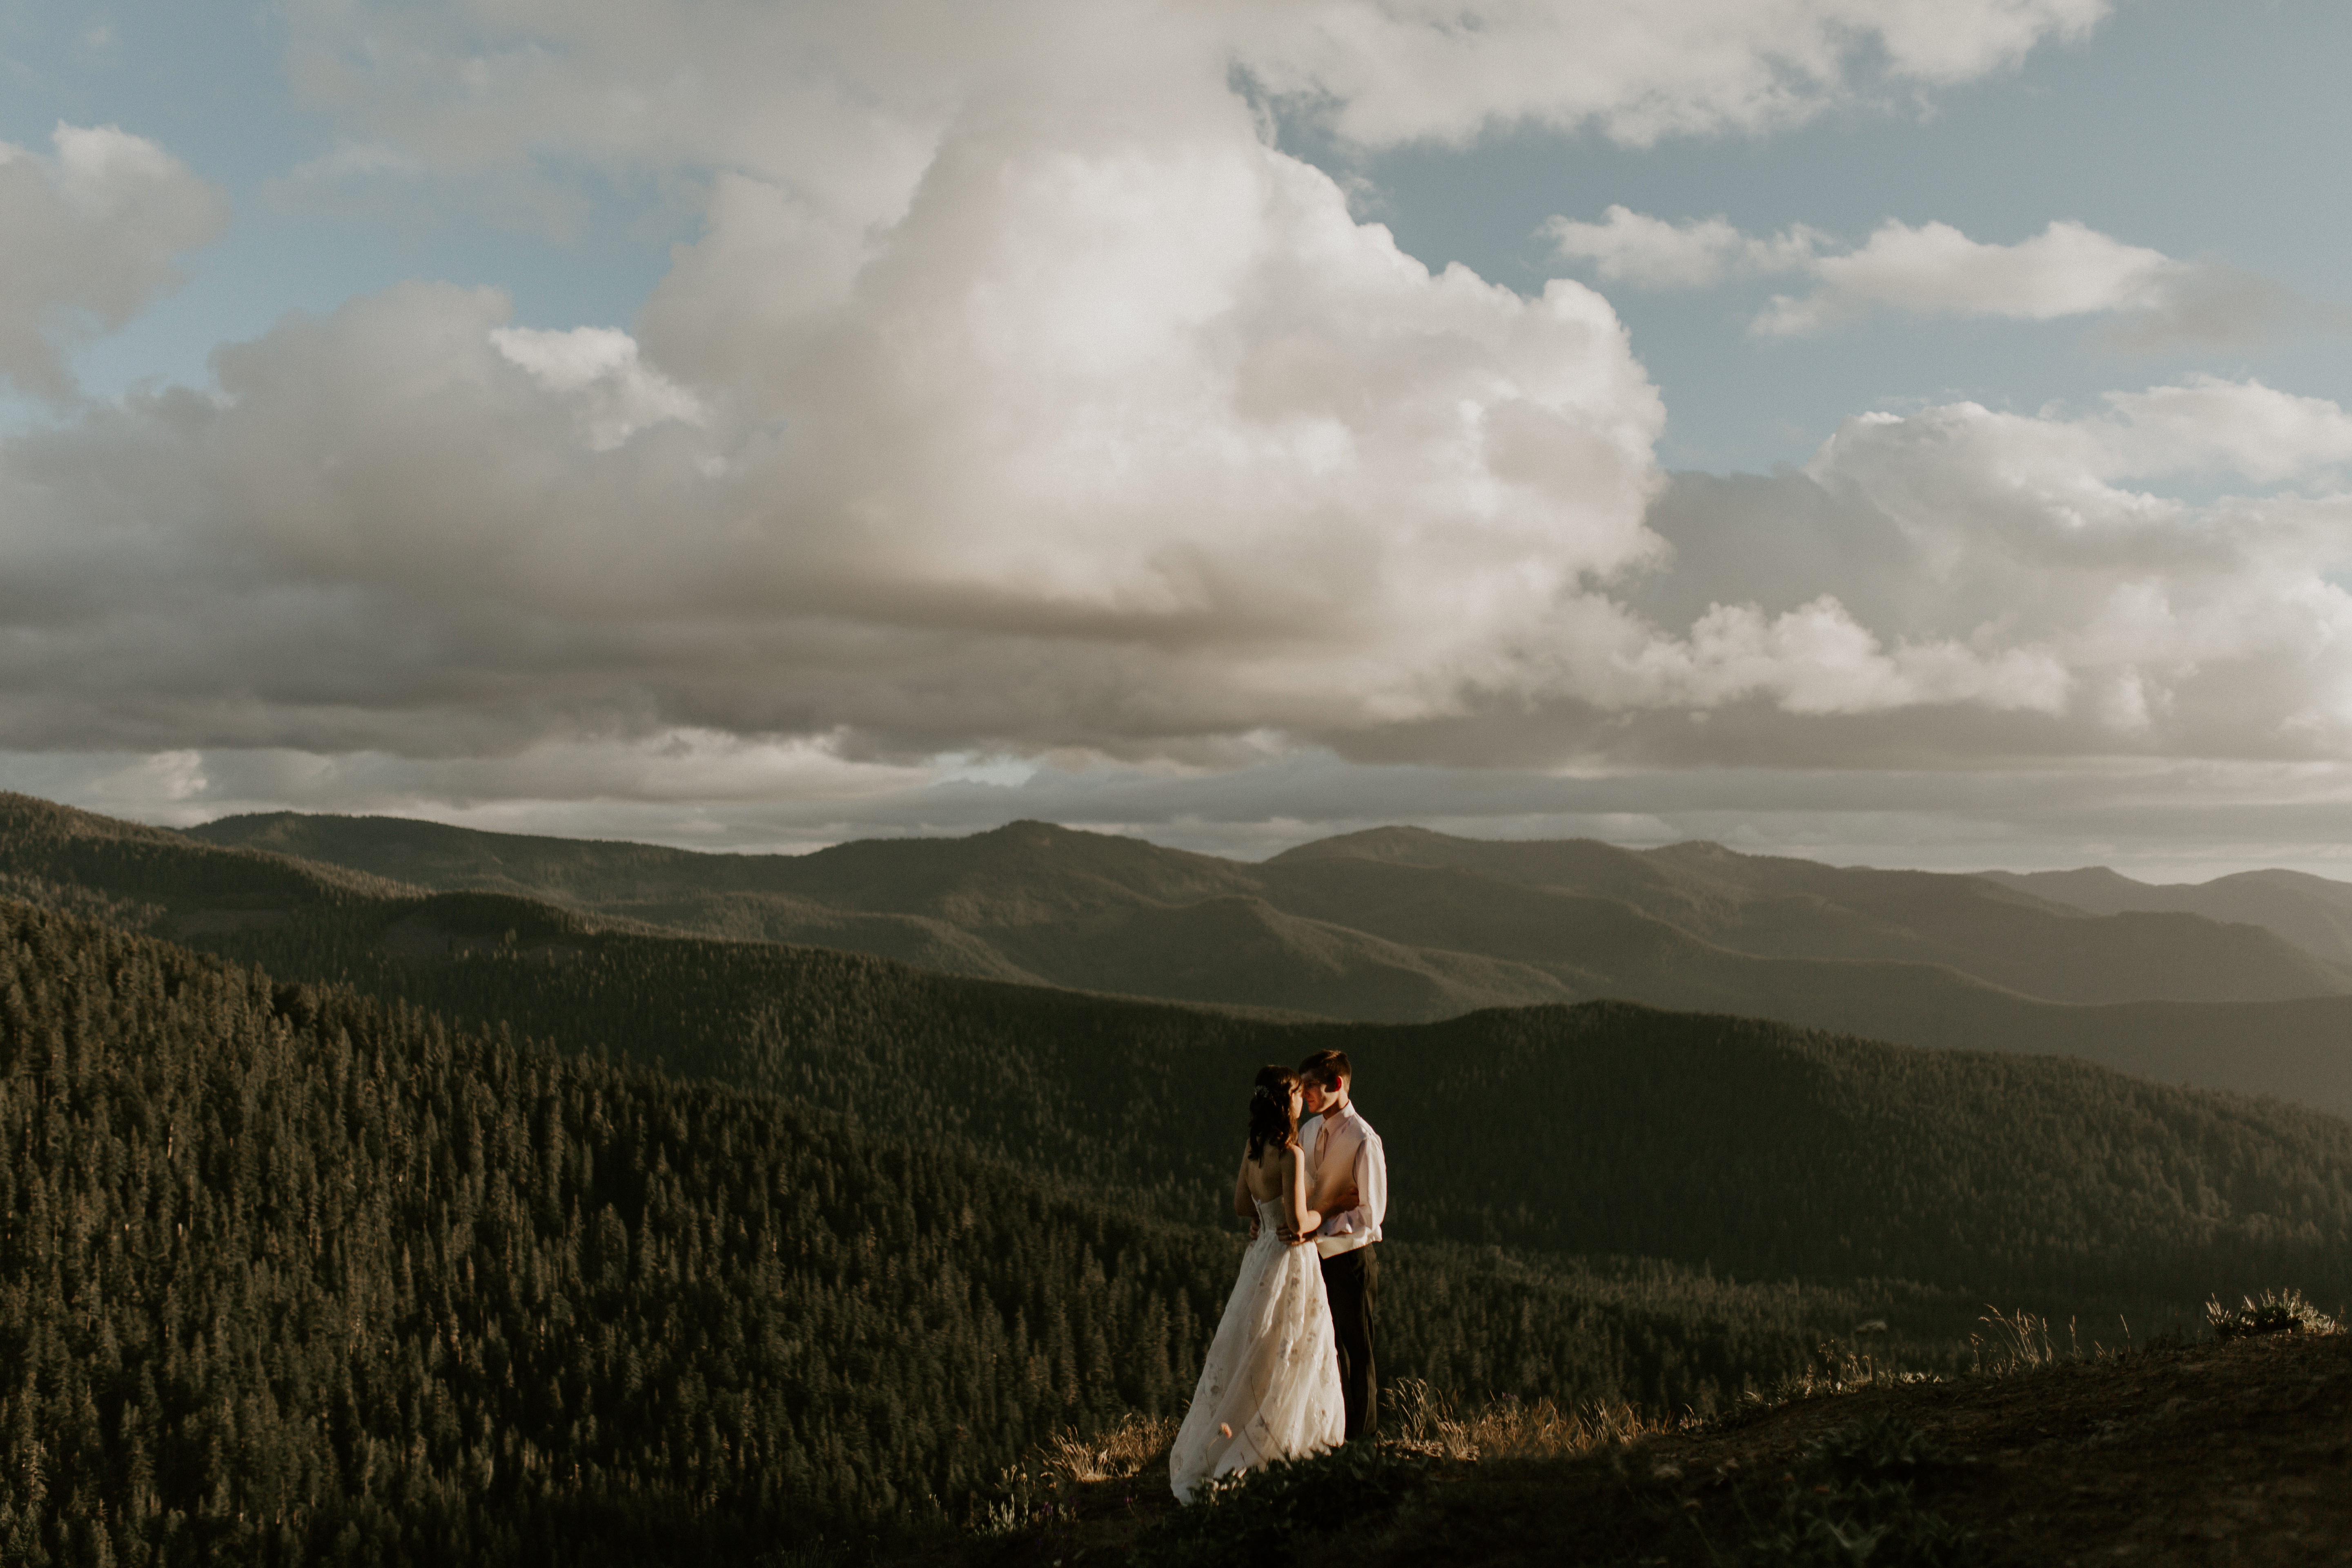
(1895,432)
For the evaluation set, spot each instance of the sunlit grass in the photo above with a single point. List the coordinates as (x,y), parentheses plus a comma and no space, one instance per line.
(1123,1451)
(1427,1419)
(2271,1312)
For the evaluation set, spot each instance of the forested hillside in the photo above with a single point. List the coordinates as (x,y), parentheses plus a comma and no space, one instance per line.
(53,851)
(1599,1129)
(290,1276)
(1633,937)
(150,879)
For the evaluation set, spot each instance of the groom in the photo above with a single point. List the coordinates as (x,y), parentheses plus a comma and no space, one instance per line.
(1348,1179)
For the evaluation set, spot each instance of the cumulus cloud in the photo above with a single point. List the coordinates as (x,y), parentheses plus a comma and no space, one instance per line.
(1309,484)
(1029,402)
(1818,659)
(2067,269)
(1638,70)
(88,235)
(849,99)
(617,394)
(2160,626)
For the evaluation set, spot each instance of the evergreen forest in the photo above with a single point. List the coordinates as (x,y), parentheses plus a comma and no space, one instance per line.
(294,1275)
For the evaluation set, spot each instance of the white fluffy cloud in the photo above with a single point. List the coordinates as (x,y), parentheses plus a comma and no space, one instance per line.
(1020,393)
(2067,269)
(617,394)
(1302,482)
(1412,70)
(87,236)
(849,99)
(2154,626)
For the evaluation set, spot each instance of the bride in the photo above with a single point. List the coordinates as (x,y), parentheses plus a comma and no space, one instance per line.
(1271,1387)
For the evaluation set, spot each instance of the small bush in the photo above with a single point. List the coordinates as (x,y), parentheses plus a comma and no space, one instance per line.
(1879,1449)
(1251,1519)
(1852,1502)
(2272,1312)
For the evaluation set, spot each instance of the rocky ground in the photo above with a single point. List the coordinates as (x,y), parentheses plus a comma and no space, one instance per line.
(2225,1452)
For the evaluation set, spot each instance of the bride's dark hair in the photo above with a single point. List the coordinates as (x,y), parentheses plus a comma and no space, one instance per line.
(1270,1118)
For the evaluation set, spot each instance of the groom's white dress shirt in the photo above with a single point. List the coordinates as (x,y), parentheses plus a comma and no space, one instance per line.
(1350,1143)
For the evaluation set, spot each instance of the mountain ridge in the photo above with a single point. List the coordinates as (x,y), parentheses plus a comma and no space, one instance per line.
(2294,1050)
(2312,913)
(1524,921)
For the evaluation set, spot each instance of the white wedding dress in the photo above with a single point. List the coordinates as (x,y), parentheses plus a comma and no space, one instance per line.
(1270,1389)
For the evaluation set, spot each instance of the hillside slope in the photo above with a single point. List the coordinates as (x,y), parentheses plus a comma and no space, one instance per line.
(1778,907)
(1395,924)
(1594,1128)
(2225,1452)
(2312,913)
(293,1276)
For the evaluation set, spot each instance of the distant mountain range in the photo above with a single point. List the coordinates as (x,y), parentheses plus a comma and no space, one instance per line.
(1396,923)
(2312,913)
(1392,925)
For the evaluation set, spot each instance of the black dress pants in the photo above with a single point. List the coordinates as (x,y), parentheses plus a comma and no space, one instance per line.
(1351,1279)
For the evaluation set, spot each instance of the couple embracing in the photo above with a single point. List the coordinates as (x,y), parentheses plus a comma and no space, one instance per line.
(1290,1370)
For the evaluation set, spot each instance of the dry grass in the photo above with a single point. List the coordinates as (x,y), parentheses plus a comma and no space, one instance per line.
(2272,1312)
(1414,1413)
(1127,1449)
(1506,1428)
(2021,1341)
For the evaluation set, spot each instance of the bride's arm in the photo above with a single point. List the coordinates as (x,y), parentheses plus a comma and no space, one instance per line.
(1242,1204)
(1303,1220)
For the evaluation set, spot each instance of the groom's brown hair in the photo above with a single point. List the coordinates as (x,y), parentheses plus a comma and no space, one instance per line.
(1328,1068)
